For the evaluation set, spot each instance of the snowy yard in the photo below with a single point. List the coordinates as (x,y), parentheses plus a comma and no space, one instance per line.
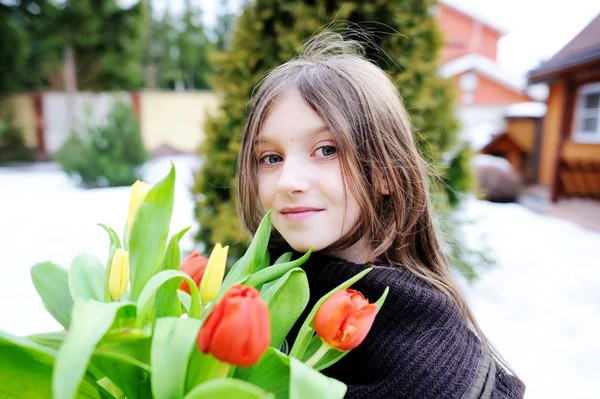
(539,305)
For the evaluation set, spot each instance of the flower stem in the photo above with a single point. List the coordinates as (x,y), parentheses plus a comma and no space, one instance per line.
(223,370)
(318,355)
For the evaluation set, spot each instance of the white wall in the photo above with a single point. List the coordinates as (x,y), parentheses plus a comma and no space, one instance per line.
(62,114)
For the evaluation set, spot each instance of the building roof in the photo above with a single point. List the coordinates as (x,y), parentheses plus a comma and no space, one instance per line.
(497,140)
(476,16)
(582,50)
(484,66)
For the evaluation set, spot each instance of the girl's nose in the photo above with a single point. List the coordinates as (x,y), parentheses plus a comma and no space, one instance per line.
(294,177)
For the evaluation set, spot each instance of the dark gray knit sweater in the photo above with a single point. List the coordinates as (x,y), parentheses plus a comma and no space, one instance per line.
(418,347)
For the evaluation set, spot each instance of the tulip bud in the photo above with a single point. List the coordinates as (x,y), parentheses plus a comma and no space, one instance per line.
(139,189)
(119,274)
(344,319)
(238,329)
(213,275)
(194,266)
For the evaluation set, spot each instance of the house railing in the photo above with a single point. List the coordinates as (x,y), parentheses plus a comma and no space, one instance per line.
(579,178)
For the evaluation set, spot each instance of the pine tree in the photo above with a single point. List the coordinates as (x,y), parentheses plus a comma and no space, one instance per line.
(224,26)
(193,46)
(106,39)
(267,33)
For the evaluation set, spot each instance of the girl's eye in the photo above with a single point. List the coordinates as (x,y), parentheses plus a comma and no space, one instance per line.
(270,159)
(327,150)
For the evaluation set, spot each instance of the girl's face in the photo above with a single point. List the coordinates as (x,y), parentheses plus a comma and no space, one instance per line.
(300,179)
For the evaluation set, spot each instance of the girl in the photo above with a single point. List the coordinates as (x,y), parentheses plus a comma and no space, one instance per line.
(328,147)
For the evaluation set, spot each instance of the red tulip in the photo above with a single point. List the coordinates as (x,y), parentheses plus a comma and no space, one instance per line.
(344,319)
(237,331)
(194,266)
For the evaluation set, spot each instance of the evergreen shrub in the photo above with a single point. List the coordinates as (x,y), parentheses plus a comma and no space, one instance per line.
(105,155)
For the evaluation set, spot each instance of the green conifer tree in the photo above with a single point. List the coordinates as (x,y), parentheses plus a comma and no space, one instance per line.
(406,46)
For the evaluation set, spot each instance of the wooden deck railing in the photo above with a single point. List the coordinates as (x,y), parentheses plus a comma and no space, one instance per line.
(579,178)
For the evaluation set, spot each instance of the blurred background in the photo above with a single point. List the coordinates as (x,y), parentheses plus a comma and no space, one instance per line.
(504,97)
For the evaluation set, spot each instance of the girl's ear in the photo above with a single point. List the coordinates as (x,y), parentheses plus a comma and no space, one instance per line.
(382,184)
(383,188)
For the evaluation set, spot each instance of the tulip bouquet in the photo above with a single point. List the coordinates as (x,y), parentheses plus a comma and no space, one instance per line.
(144,324)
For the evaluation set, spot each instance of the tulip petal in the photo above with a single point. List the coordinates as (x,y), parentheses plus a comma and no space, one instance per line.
(194,266)
(344,319)
(228,344)
(208,328)
(331,315)
(237,331)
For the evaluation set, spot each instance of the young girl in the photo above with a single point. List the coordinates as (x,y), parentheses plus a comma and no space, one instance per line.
(328,147)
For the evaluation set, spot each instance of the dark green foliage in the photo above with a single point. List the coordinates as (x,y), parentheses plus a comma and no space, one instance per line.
(105,155)
(12,142)
(106,40)
(406,46)
(458,175)
(224,26)
(179,50)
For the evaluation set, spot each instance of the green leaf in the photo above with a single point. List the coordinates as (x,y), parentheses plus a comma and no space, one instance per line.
(123,356)
(167,301)
(253,257)
(127,373)
(202,368)
(115,243)
(306,331)
(186,300)
(288,377)
(265,261)
(52,284)
(305,382)
(285,258)
(271,373)
(149,233)
(51,340)
(146,298)
(228,388)
(86,278)
(132,343)
(273,272)
(26,370)
(90,322)
(286,299)
(172,343)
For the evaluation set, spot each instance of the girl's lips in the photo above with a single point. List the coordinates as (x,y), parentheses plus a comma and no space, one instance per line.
(297,216)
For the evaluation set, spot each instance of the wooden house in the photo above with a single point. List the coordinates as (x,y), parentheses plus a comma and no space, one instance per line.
(519,142)
(469,59)
(569,161)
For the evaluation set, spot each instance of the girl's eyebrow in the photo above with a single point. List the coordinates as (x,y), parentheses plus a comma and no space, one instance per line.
(315,131)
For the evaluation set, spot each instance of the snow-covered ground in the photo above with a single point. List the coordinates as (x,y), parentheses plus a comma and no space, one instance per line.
(539,305)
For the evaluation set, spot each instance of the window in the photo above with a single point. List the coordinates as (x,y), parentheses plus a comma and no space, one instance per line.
(587,114)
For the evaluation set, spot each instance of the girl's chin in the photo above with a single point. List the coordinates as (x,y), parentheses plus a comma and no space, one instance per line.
(304,246)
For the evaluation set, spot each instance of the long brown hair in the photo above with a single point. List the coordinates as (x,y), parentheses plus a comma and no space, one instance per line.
(373,135)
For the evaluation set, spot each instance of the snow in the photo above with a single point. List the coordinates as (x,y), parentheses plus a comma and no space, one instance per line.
(483,160)
(539,304)
(527,109)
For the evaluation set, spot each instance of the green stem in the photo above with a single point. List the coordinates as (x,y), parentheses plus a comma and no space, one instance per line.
(223,370)
(318,355)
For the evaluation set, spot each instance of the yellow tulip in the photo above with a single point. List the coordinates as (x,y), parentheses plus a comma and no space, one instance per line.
(139,189)
(119,274)
(213,275)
